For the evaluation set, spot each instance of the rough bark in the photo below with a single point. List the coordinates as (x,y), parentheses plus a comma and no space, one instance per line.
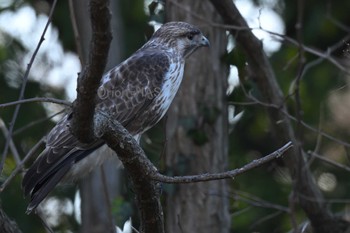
(196,130)
(96,199)
(307,193)
(93,68)
(140,169)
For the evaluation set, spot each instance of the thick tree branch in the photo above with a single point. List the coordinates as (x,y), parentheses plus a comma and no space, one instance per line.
(309,196)
(145,177)
(138,167)
(89,78)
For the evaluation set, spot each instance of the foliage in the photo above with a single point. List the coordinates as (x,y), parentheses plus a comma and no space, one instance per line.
(260,197)
(320,82)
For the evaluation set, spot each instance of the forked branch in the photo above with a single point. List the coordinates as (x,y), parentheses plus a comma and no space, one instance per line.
(145,177)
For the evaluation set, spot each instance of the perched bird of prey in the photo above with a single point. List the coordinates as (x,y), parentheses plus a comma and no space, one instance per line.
(137,93)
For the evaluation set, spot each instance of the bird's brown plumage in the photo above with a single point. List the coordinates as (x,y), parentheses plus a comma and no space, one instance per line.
(137,93)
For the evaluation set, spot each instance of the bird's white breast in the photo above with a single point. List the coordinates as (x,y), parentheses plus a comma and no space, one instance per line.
(171,84)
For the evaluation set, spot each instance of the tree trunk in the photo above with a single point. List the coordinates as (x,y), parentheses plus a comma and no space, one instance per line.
(95,208)
(197,137)
(305,190)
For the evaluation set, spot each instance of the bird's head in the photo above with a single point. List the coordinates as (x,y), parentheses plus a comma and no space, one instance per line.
(183,37)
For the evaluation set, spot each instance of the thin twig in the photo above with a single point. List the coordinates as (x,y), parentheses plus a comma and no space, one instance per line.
(11,143)
(36,122)
(255,101)
(224,175)
(257,201)
(265,80)
(337,23)
(134,229)
(242,211)
(145,176)
(264,219)
(75,30)
(20,166)
(300,71)
(322,54)
(292,200)
(318,141)
(23,87)
(37,99)
(324,159)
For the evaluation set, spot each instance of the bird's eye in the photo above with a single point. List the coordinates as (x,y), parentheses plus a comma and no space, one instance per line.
(190,36)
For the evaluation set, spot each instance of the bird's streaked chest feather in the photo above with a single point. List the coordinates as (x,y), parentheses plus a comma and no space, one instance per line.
(137,93)
(162,101)
(172,81)
(150,88)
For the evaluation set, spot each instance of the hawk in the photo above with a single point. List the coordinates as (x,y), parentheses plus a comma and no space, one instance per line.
(137,93)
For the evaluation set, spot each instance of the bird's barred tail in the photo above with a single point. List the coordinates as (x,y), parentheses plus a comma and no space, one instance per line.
(39,183)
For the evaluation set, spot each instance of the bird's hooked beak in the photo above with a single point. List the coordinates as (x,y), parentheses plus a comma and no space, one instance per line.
(198,41)
(204,42)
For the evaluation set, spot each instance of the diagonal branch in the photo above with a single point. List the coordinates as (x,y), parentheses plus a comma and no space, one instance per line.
(322,55)
(20,166)
(12,145)
(223,175)
(138,167)
(23,87)
(37,99)
(145,177)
